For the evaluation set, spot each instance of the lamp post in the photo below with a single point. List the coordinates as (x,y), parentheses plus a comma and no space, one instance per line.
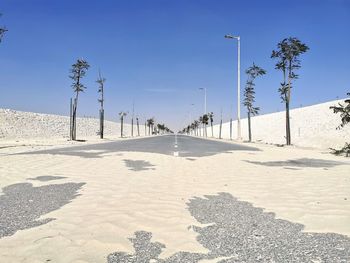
(238,84)
(205,99)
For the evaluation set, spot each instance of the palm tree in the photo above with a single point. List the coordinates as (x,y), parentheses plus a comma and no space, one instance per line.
(3,30)
(205,121)
(161,128)
(249,94)
(122,114)
(101,100)
(150,124)
(201,123)
(211,118)
(344,111)
(78,71)
(287,53)
(196,125)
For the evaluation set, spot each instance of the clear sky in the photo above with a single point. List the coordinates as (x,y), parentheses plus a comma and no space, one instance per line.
(160,52)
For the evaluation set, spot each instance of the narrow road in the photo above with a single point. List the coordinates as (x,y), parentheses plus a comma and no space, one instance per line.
(176,145)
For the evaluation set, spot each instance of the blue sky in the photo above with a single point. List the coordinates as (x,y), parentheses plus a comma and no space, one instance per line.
(158,53)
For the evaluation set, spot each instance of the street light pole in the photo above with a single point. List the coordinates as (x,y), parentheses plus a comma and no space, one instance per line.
(239,137)
(205,99)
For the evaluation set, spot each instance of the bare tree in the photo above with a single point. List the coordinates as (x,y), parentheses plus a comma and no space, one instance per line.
(78,71)
(101,100)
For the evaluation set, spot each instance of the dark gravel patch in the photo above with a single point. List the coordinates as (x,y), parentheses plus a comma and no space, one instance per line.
(21,205)
(241,232)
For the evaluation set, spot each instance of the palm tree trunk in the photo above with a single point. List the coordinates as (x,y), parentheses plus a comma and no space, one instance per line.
(249,127)
(74,125)
(287,97)
(231,129)
(75,106)
(101,122)
(212,131)
(288,137)
(138,127)
(70,119)
(220,129)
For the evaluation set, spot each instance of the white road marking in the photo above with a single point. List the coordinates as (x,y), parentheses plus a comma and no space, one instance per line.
(176,153)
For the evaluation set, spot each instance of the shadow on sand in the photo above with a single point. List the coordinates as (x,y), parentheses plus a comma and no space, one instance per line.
(46,178)
(301,163)
(138,165)
(21,205)
(240,232)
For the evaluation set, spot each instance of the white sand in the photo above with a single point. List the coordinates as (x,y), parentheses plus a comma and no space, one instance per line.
(313,126)
(19,125)
(116,202)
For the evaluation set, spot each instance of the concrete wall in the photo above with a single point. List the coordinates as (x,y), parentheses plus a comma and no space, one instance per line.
(313,126)
(17,124)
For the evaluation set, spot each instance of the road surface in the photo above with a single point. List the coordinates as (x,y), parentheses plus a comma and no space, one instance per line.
(174,145)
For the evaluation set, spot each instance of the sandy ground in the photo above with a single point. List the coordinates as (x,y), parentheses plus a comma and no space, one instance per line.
(116,200)
(313,126)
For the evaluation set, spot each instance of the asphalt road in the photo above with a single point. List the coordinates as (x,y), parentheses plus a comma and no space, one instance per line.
(175,145)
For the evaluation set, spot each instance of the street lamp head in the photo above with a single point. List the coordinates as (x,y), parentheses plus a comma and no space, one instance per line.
(231,37)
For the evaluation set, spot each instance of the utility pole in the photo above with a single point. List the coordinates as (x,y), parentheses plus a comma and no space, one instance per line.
(132,118)
(239,137)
